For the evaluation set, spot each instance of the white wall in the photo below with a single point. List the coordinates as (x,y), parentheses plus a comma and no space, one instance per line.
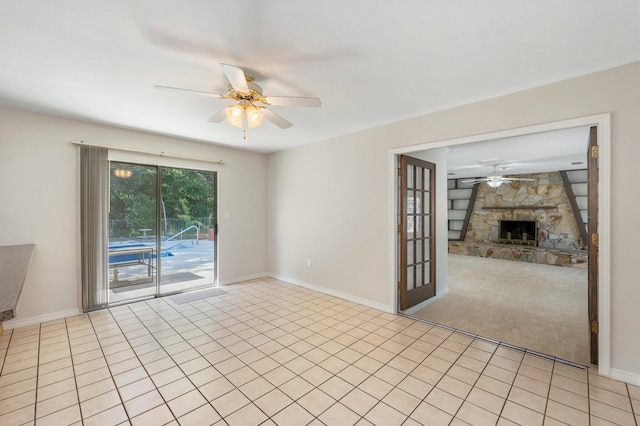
(330,201)
(320,209)
(38,202)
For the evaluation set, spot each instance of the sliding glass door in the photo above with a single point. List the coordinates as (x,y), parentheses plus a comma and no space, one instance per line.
(132,231)
(187,219)
(161,231)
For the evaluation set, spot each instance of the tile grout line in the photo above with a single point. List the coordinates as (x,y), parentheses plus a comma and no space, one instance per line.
(177,364)
(159,314)
(589,397)
(633,413)
(298,355)
(500,343)
(443,374)
(35,402)
(480,375)
(329,372)
(269,356)
(73,367)
(506,399)
(93,327)
(6,351)
(195,316)
(546,403)
(379,400)
(132,348)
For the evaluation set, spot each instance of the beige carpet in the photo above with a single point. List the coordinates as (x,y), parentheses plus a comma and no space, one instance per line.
(538,307)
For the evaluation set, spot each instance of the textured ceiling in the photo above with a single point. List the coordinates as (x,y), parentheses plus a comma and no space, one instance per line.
(370,61)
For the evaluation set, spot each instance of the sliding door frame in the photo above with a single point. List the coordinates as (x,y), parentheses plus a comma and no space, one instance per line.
(164,162)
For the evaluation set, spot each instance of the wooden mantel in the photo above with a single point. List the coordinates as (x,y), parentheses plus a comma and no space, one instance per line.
(14,265)
(520,208)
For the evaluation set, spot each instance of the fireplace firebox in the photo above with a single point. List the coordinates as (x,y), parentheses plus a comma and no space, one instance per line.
(521,232)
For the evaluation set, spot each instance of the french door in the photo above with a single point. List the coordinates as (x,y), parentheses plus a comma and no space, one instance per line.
(162,229)
(416,231)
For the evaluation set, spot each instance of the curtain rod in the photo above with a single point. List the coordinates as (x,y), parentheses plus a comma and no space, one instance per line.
(158,153)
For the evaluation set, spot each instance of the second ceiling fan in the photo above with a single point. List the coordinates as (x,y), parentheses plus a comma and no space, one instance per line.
(250,104)
(495,179)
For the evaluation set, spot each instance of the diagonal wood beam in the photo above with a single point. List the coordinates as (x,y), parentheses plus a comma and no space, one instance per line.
(574,207)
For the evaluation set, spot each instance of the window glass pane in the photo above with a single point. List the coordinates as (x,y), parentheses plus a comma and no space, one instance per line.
(132,245)
(427,269)
(410,176)
(410,202)
(426,202)
(426,221)
(419,177)
(426,179)
(427,249)
(418,276)
(418,223)
(419,244)
(410,258)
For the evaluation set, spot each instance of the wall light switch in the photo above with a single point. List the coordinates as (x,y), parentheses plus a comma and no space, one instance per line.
(308,263)
(226,215)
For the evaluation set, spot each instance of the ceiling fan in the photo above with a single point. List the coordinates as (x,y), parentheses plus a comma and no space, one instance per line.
(495,179)
(250,104)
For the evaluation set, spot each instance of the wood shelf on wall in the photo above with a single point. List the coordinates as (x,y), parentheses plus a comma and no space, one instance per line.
(521,208)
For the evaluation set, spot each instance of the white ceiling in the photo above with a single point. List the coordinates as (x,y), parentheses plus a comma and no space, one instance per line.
(536,153)
(370,61)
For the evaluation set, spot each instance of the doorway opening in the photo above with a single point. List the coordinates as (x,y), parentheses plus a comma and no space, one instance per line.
(162,229)
(602,291)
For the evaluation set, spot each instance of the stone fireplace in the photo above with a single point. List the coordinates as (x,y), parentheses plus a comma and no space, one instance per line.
(525,221)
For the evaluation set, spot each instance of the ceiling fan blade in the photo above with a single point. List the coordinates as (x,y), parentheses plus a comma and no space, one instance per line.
(474,180)
(294,101)
(520,179)
(198,92)
(275,118)
(219,116)
(236,77)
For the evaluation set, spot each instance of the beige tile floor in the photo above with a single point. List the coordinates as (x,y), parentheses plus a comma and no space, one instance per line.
(275,354)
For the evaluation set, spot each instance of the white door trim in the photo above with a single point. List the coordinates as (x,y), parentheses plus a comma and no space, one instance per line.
(603,122)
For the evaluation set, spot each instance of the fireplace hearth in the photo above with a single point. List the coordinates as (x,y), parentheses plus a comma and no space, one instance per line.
(518,232)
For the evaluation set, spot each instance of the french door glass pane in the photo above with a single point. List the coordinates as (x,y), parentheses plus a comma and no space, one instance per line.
(410,278)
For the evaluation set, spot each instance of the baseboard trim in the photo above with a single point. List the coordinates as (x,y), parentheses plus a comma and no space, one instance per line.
(339,294)
(23,322)
(243,278)
(412,310)
(625,376)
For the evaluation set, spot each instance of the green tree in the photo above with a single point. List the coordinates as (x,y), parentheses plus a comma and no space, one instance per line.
(188,198)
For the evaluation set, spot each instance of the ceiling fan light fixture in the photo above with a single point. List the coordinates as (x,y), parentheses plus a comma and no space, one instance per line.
(234,115)
(494,183)
(254,116)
